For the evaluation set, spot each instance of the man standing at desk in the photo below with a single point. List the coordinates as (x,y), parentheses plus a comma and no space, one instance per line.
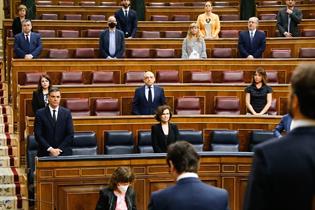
(127,19)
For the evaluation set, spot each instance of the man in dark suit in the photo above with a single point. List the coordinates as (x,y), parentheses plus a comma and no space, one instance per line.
(127,19)
(112,41)
(288,19)
(147,97)
(252,43)
(53,127)
(27,44)
(284,125)
(283,171)
(189,193)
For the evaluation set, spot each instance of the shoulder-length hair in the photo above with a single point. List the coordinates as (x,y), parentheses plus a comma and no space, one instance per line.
(263,74)
(190,35)
(39,84)
(121,174)
(159,111)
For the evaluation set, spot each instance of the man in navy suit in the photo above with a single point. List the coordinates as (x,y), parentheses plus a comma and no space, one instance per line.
(189,193)
(27,44)
(288,19)
(252,43)
(283,171)
(112,41)
(53,127)
(284,125)
(127,19)
(147,97)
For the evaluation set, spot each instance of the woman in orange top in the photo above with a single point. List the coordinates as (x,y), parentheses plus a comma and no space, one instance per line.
(209,23)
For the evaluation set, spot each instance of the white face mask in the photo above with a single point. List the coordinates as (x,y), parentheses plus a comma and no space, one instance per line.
(123,188)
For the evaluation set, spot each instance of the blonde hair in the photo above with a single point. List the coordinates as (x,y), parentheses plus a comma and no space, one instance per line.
(190,35)
(22,6)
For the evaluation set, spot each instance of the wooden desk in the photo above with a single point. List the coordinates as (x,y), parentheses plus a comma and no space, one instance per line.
(74,184)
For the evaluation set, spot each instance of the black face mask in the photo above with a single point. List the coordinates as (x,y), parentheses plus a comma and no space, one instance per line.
(112,25)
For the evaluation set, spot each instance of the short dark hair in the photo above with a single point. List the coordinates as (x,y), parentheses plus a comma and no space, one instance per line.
(121,174)
(53,89)
(159,111)
(263,73)
(303,86)
(183,156)
(39,85)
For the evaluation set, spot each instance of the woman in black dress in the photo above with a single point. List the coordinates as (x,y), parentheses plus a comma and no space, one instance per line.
(258,94)
(164,133)
(40,96)
(17,22)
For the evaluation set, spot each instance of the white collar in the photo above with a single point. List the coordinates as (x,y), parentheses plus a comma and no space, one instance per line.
(187,175)
(51,109)
(125,9)
(302,123)
(254,31)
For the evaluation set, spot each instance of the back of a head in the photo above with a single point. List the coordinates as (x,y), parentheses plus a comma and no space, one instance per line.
(183,156)
(303,86)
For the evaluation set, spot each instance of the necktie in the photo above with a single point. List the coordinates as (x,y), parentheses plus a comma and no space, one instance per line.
(54,116)
(26,37)
(150,95)
(289,22)
(251,34)
(126,14)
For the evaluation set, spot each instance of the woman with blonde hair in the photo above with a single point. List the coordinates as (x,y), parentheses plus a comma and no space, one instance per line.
(209,23)
(194,46)
(17,22)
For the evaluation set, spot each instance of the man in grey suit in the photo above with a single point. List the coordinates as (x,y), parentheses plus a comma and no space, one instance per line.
(189,193)
(283,171)
(288,19)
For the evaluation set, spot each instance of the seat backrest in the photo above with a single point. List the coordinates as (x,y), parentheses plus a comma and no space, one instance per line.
(177,4)
(84,53)
(58,53)
(259,136)
(107,107)
(224,141)
(49,16)
(308,32)
(31,154)
(229,33)
(72,16)
(87,3)
(84,143)
(95,33)
(118,142)
(281,53)
(270,3)
(71,77)
(167,76)
(164,53)
(43,2)
(181,18)
(273,107)
(47,33)
(144,142)
(156,4)
(272,77)
(188,106)
(268,16)
(78,106)
(222,53)
(97,17)
(226,17)
(227,105)
(110,3)
(307,52)
(32,78)
(150,34)
(193,137)
(69,33)
(134,77)
(140,53)
(173,34)
(200,77)
(233,77)
(66,3)
(102,77)
(159,17)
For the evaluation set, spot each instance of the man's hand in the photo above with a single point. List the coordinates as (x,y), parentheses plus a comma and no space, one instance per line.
(28,56)
(250,57)
(287,34)
(289,11)
(55,152)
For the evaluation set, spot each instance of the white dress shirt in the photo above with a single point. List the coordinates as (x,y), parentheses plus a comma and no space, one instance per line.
(146,91)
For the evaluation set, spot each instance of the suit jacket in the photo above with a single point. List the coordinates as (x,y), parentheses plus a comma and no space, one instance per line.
(120,44)
(256,48)
(16,26)
(140,104)
(283,173)
(38,101)
(282,21)
(215,26)
(159,142)
(189,194)
(127,24)
(50,134)
(22,47)
(284,125)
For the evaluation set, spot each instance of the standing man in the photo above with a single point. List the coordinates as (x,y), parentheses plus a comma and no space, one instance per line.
(112,41)
(27,44)
(127,19)
(189,193)
(283,171)
(53,127)
(148,97)
(288,19)
(252,43)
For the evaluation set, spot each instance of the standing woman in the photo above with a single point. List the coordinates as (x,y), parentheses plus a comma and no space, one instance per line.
(164,133)
(40,96)
(119,195)
(17,22)
(258,94)
(209,23)
(194,46)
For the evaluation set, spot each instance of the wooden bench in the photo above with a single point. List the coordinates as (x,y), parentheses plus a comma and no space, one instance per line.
(74,183)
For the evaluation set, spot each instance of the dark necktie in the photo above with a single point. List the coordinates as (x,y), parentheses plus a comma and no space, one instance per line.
(126,14)
(150,95)
(27,40)
(54,116)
